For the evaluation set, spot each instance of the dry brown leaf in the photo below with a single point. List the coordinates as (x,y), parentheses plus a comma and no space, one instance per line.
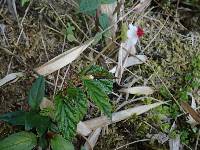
(190,120)
(195,115)
(46,104)
(10,77)
(139,90)
(132,60)
(62,60)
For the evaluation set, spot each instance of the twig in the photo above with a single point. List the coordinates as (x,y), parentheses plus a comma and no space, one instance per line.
(143,140)
(21,27)
(130,101)
(197,141)
(63,80)
(70,20)
(58,73)
(45,49)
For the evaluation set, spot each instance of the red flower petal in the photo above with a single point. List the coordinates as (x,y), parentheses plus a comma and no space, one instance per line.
(140,32)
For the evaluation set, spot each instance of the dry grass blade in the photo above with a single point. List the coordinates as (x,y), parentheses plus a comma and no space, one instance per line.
(93,139)
(142,6)
(138,110)
(119,116)
(139,90)
(124,52)
(62,60)
(10,77)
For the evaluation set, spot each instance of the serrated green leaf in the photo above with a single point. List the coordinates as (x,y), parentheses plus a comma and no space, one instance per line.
(106,85)
(89,5)
(14,118)
(58,143)
(19,141)
(35,120)
(104,21)
(70,109)
(98,95)
(23,2)
(108,1)
(36,93)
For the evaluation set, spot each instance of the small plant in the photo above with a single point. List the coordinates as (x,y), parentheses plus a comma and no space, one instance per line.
(172,111)
(192,79)
(70,33)
(55,126)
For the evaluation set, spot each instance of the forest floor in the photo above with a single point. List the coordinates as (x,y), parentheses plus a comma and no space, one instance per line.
(171,42)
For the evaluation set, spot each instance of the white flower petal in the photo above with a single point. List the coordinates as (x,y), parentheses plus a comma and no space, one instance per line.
(133,40)
(129,34)
(132,36)
(131,27)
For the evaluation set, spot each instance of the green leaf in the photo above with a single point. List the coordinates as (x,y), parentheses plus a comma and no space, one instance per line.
(70,110)
(70,29)
(36,93)
(91,13)
(104,21)
(97,95)
(107,1)
(19,141)
(59,143)
(106,85)
(89,5)
(14,118)
(35,120)
(23,2)
(71,37)
(70,33)
(42,142)
(83,148)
